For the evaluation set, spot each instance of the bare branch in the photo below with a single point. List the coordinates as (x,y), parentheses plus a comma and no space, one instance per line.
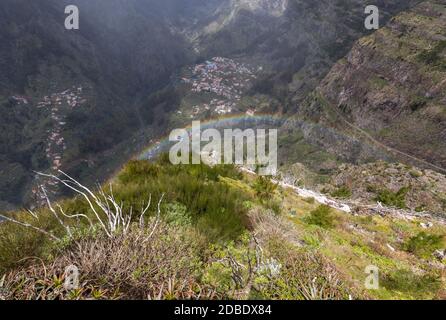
(143,212)
(158,216)
(27,225)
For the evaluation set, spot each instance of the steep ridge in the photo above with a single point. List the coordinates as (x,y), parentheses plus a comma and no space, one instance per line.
(389,90)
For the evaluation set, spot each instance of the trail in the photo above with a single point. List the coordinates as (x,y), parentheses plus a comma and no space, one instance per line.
(352,206)
(306,193)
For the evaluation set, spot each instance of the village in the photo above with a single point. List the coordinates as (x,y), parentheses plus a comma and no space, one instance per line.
(57,104)
(224,78)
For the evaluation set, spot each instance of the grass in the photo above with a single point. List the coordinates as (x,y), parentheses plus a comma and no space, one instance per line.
(195,193)
(410,283)
(264,187)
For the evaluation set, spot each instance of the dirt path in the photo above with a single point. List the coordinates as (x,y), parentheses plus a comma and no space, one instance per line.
(351,206)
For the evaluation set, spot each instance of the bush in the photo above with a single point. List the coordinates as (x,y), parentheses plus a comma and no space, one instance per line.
(342,193)
(309,200)
(264,187)
(392,199)
(321,217)
(434,56)
(176,214)
(131,266)
(304,275)
(408,282)
(424,244)
(194,194)
(215,207)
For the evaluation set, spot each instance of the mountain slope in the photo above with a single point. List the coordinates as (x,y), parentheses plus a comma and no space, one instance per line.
(220,233)
(120,63)
(70,97)
(299,40)
(388,93)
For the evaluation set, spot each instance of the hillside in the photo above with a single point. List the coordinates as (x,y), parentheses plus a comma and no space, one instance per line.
(298,41)
(75,89)
(125,57)
(361,118)
(386,97)
(218,233)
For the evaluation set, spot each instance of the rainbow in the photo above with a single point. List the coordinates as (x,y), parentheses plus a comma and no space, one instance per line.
(229,121)
(243,120)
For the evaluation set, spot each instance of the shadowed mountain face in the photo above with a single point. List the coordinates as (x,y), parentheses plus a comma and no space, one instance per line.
(84,101)
(69,96)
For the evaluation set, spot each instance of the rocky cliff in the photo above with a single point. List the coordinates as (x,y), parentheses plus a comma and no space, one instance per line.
(389,91)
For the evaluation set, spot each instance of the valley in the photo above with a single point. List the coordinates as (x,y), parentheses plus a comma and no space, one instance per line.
(86,178)
(134,98)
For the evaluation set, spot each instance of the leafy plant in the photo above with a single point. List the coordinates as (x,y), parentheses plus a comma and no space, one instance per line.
(321,217)
(264,187)
(393,199)
(424,244)
(342,193)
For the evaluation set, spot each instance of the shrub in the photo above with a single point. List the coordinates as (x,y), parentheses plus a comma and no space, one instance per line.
(393,199)
(305,275)
(321,217)
(129,266)
(342,193)
(443,203)
(408,282)
(424,244)
(214,207)
(194,194)
(433,56)
(264,187)
(176,214)
(309,200)
(417,103)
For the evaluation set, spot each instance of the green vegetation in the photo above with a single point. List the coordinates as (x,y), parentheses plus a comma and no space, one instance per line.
(321,217)
(264,187)
(343,192)
(393,199)
(418,102)
(408,282)
(211,204)
(216,237)
(423,244)
(435,56)
(378,83)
